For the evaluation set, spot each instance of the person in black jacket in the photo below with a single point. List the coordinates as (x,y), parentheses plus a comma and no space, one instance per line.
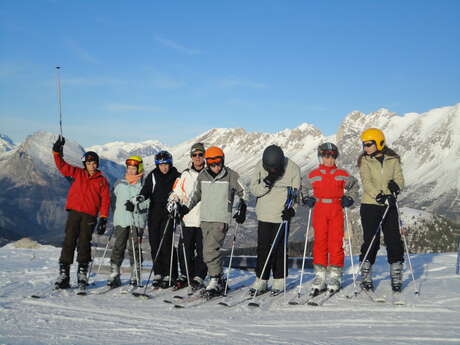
(157,187)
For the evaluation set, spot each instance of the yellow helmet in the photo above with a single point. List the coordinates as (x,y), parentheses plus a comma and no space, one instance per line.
(375,135)
(137,162)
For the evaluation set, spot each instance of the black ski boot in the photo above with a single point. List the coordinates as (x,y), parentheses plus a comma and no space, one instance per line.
(62,282)
(164,283)
(366,276)
(396,276)
(156,281)
(181,283)
(197,283)
(114,278)
(215,287)
(82,276)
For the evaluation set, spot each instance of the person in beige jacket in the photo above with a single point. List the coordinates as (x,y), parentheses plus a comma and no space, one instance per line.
(382,180)
(272,177)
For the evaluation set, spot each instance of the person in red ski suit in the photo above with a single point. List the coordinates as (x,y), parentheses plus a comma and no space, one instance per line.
(328,200)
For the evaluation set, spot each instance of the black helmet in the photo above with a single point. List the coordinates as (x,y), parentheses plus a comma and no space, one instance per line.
(273,158)
(328,148)
(90,156)
(163,157)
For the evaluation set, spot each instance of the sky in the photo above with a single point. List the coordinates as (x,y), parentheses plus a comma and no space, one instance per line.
(170,70)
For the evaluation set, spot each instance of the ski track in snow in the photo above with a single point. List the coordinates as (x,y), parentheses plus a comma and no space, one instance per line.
(114,318)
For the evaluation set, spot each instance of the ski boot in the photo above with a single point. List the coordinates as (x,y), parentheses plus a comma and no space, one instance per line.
(156,281)
(215,287)
(82,277)
(164,283)
(259,287)
(396,276)
(277,286)
(334,278)
(62,281)
(197,283)
(114,278)
(319,283)
(366,276)
(133,282)
(181,283)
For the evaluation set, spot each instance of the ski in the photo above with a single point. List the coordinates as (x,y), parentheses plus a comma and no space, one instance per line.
(396,298)
(374,297)
(259,299)
(81,290)
(321,299)
(130,289)
(45,293)
(305,299)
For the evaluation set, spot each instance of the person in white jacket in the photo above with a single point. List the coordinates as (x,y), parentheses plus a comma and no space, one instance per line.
(192,234)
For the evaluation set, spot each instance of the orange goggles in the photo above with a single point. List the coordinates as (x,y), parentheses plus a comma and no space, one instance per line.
(214,160)
(133,162)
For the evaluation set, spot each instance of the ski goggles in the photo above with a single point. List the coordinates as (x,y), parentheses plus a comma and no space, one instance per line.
(369,144)
(214,162)
(328,153)
(89,158)
(133,162)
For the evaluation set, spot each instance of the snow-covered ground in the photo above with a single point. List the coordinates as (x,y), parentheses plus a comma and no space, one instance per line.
(113,318)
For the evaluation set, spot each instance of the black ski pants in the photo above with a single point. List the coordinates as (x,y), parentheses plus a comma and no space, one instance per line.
(159,224)
(266,233)
(124,237)
(371,215)
(78,232)
(193,242)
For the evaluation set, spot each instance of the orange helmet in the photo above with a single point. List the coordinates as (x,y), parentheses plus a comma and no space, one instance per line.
(214,155)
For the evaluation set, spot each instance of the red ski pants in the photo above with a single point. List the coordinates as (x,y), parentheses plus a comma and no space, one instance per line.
(328,236)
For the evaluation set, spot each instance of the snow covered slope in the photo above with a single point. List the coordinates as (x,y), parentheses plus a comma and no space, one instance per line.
(6,144)
(118,151)
(113,318)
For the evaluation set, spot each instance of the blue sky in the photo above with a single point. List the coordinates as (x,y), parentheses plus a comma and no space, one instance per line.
(169,70)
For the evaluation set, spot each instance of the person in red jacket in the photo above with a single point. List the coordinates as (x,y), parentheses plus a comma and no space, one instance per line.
(328,184)
(88,195)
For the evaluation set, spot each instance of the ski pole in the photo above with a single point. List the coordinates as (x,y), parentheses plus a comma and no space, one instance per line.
(184,252)
(406,247)
(155,259)
(105,252)
(286,232)
(351,252)
(139,262)
(231,258)
(58,90)
(457,270)
(304,254)
(172,251)
(131,233)
(373,238)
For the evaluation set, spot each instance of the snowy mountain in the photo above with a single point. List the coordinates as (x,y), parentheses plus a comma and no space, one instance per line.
(32,191)
(118,151)
(6,144)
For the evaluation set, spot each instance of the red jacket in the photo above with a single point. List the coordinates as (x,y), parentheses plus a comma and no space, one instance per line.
(328,182)
(87,194)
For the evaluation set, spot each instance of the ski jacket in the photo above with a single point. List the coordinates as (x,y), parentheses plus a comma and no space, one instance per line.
(182,191)
(216,195)
(87,194)
(271,201)
(375,176)
(122,192)
(328,184)
(157,187)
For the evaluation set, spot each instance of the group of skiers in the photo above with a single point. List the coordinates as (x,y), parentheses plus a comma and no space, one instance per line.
(200,200)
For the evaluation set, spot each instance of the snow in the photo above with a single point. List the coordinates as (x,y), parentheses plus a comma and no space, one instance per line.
(431,318)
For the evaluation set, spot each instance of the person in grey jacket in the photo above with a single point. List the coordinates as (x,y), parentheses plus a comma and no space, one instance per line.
(216,187)
(129,221)
(272,177)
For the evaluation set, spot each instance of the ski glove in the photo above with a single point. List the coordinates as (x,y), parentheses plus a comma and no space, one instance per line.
(240,216)
(309,201)
(183,210)
(101,225)
(58,146)
(138,199)
(129,206)
(287,214)
(386,199)
(393,187)
(347,201)
(270,179)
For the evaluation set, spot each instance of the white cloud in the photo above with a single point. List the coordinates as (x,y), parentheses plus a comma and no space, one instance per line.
(177,46)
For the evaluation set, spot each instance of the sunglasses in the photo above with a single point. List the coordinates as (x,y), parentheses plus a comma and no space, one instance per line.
(132,162)
(368,144)
(197,154)
(213,165)
(328,154)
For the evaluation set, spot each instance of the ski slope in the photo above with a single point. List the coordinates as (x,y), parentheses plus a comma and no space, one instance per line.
(114,318)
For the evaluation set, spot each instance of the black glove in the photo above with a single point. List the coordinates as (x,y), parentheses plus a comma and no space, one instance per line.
(287,214)
(101,225)
(309,201)
(393,187)
(129,206)
(139,198)
(240,216)
(387,199)
(270,179)
(347,201)
(58,146)
(183,210)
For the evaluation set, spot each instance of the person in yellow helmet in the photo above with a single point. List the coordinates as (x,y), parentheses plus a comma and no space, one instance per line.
(382,180)
(129,221)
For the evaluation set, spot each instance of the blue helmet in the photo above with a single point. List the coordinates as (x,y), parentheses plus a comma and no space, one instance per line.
(163,157)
